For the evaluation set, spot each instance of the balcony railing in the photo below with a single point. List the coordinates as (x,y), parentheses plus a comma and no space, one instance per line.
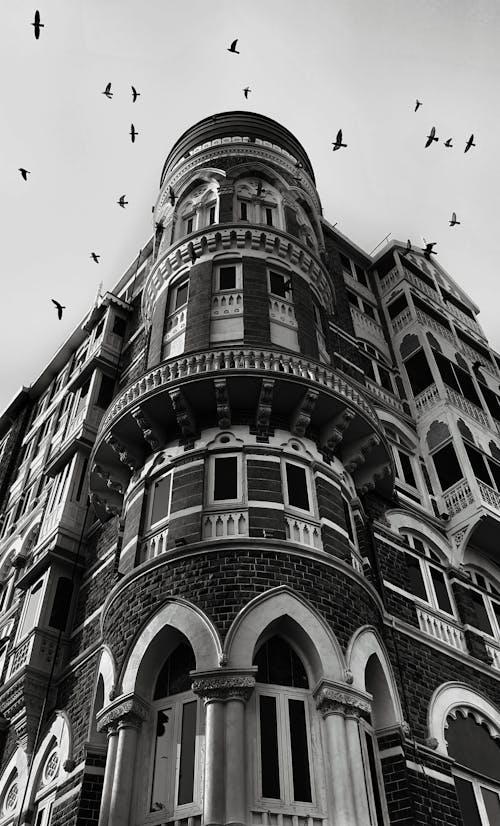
(423,318)
(154,545)
(305,533)
(489,495)
(441,629)
(225,524)
(402,320)
(463,317)
(383,395)
(494,652)
(227,303)
(427,398)
(282,311)
(467,407)
(366,327)
(458,497)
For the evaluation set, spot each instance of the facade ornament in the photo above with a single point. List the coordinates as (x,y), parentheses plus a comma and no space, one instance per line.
(115,486)
(358,451)
(348,676)
(458,536)
(336,700)
(432,742)
(301,416)
(19,561)
(405,728)
(123,452)
(333,432)
(131,710)
(69,765)
(222,402)
(183,413)
(224,687)
(103,505)
(264,408)
(146,428)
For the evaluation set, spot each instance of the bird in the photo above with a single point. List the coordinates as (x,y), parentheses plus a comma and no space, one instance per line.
(469,143)
(59,307)
(259,188)
(448,143)
(95,257)
(337,143)
(133,132)
(108,92)
(172,196)
(37,25)
(121,200)
(135,94)
(417,104)
(454,221)
(431,137)
(408,247)
(246,90)
(24,173)
(233,48)
(429,251)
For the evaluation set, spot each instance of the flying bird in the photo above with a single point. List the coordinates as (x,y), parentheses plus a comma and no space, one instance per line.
(448,143)
(429,251)
(469,143)
(95,257)
(417,104)
(337,143)
(246,90)
(233,48)
(133,132)
(59,307)
(454,221)
(172,196)
(259,188)
(135,94)
(431,137)
(121,200)
(108,92)
(37,25)
(408,247)
(24,173)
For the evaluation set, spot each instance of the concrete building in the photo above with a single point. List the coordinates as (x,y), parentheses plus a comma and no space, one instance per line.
(251,526)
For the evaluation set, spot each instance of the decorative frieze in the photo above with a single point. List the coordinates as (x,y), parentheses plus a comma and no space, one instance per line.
(331,699)
(222,402)
(147,429)
(130,710)
(223,687)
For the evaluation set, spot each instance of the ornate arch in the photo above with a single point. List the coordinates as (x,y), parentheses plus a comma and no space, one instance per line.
(306,630)
(401,520)
(151,645)
(59,733)
(454,697)
(364,644)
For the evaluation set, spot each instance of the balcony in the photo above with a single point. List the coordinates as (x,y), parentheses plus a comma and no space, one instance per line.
(384,395)
(37,650)
(443,629)
(389,281)
(458,497)
(402,321)
(76,432)
(171,400)
(427,398)
(369,329)
(423,318)
(303,532)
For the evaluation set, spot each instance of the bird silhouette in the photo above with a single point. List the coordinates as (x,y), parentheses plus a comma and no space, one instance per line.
(133,132)
(246,90)
(431,137)
(172,196)
(59,307)
(337,143)
(232,47)
(454,221)
(259,188)
(24,173)
(108,92)
(417,104)
(469,143)
(408,248)
(95,257)
(429,251)
(135,94)
(448,143)
(37,25)
(121,200)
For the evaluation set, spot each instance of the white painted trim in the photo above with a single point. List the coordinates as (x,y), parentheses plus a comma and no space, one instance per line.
(263,456)
(337,528)
(364,643)
(394,751)
(86,622)
(443,778)
(450,695)
(264,503)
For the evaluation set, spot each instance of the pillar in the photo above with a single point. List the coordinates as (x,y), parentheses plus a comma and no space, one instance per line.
(108,775)
(225,694)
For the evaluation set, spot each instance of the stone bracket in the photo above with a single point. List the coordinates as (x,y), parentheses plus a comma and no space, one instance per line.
(124,454)
(223,404)
(369,478)
(264,408)
(355,454)
(184,414)
(112,484)
(301,416)
(149,432)
(333,432)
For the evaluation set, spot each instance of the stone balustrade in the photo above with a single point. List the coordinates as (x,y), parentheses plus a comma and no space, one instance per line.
(423,318)
(489,495)
(224,524)
(427,398)
(282,311)
(155,544)
(384,395)
(227,303)
(458,497)
(467,407)
(303,532)
(176,323)
(402,320)
(441,629)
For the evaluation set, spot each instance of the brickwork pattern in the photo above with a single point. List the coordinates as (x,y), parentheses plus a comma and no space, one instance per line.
(306,325)
(256,303)
(199,307)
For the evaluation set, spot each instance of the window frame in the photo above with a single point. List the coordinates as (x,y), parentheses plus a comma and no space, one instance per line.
(151,527)
(367,730)
(238,281)
(309,485)
(426,563)
(221,504)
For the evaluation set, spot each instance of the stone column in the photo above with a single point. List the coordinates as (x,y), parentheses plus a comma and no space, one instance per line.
(340,710)
(127,715)
(225,693)
(108,775)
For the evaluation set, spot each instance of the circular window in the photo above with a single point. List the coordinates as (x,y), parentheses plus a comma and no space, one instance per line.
(224,439)
(10,801)
(51,767)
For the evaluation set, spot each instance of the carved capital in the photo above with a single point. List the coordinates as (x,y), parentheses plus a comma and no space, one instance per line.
(336,700)
(131,711)
(224,687)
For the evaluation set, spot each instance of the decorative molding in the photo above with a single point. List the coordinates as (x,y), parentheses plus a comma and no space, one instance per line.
(146,428)
(126,711)
(183,413)
(333,432)
(264,407)
(224,687)
(331,699)
(301,416)
(222,402)
(123,452)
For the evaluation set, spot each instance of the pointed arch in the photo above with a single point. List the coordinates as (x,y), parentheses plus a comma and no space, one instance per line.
(371,670)
(282,611)
(402,521)
(107,670)
(158,638)
(451,695)
(59,734)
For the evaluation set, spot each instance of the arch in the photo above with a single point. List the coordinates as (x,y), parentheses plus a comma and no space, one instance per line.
(453,695)
(401,520)
(158,637)
(107,670)
(281,611)
(476,560)
(369,663)
(59,733)
(17,767)
(409,435)
(30,536)
(6,560)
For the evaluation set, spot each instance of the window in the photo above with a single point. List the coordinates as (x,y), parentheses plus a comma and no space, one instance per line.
(360,275)
(405,468)
(447,466)
(457,378)
(106,391)
(243,211)
(486,606)
(397,306)
(225,486)
(483,467)
(189,224)
(269,216)
(349,522)
(175,758)
(227,278)
(61,604)
(346,262)
(179,296)
(119,326)
(10,798)
(297,487)
(373,775)
(278,285)
(33,601)
(477,768)
(211,215)
(283,712)
(418,371)
(426,580)
(159,500)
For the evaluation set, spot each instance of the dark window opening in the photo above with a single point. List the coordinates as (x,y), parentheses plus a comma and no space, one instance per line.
(119,326)
(467,802)
(396,307)
(161,499)
(227,278)
(82,479)
(278,664)
(99,329)
(181,295)
(416,580)
(369,310)
(277,284)
(352,299)
(269,217)
(447,466)
(385,379)
(300,751)
(174,676)
(471,745)
(418,371)
(269,748)
(226,478)
(186,762)
(62,603)
(189,225)
(346,262)
(408,475)
(482,621)
(441,591)
(495,472)
(211,215)
(243,211)
(348,520)
(374,779)
(298,495)
(478,464)
(361,275)
(106,391)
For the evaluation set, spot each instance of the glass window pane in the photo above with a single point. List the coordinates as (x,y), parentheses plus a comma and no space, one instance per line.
(300,752)
(269,748)
(162,760)
(226,478)
(447,466)
(472,746)
(492,804)
(277,283)
(442,596)
(161,499)
(482,620)
(407,469)
(174,676)
(296,482)
(227,278)
(279,664)
(467,801)
(181,295)
(419,372)
(186,767)
(417,585)
(374,779)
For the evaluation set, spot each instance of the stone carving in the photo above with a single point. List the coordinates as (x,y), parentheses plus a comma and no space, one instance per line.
(223,688)
(124,455)
(348,676)
(405,728)
(333,433)
(222,401)
(458,536)
(264,407)
(358,452)
(131,710)
(69,765)
(101,504)
(184,414)
(432,742)
(301,416)
(106,477)
(331,700)
(146,427)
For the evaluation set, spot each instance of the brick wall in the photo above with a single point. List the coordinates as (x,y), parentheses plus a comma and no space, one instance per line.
(306,326)
(157,330)
(256,303)
(264,480)
(199,307)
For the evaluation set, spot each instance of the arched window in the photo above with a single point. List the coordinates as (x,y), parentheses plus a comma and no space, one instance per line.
(476,750)
(284,726)
(47,781)
(10,797)
(174,760)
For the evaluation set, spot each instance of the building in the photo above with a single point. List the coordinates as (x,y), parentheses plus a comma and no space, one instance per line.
(251,526)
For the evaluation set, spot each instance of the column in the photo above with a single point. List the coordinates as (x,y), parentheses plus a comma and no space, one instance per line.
(125,717)
(346,775)
(225,695)
(108,775)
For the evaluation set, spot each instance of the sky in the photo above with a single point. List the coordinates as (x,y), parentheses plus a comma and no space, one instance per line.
(316,67)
